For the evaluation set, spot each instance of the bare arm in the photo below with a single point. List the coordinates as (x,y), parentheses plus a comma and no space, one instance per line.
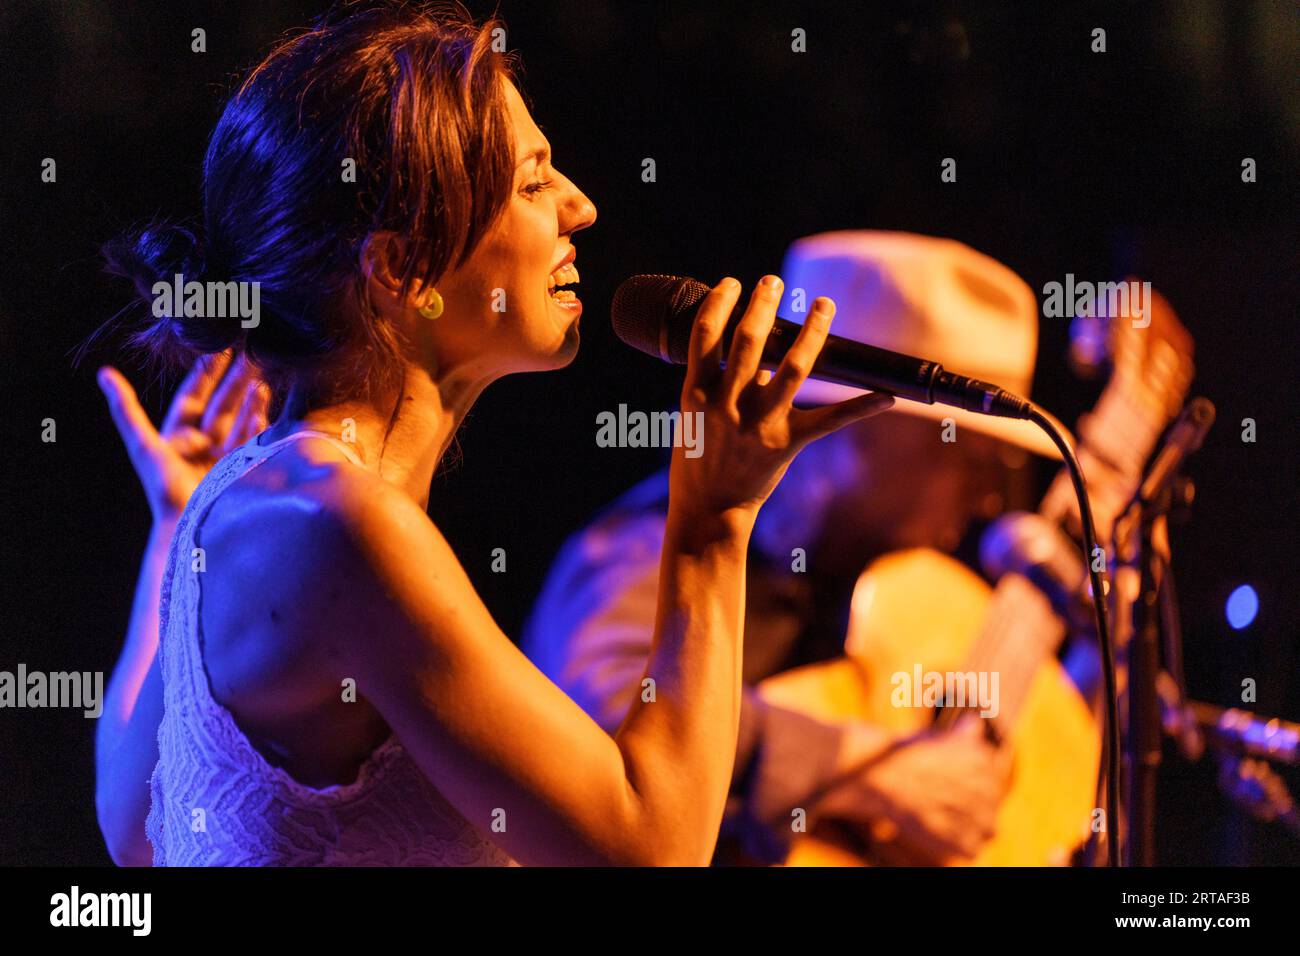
(594,630)
(503,743)
(784,756)
(132,709)
(496,737)
(141,644)
(217,407)
(123,772)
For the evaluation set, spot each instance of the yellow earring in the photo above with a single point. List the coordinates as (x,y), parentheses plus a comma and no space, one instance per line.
(433,307)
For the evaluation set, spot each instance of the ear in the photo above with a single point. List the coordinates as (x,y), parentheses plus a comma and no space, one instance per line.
(382,256)
(382,259)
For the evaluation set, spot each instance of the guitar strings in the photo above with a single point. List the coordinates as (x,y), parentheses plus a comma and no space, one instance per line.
(1016,620)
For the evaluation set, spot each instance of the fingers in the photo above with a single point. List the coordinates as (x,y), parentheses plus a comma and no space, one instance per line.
(704,362)
(991,776)
(811,424)
(251,419)
(131,420)
(750,337)
(226,401)
(799,360)
(195,389)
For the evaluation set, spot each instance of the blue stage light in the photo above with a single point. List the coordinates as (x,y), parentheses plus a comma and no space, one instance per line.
(1243,605)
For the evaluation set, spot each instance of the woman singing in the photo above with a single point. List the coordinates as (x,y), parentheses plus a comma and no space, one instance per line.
(310,677)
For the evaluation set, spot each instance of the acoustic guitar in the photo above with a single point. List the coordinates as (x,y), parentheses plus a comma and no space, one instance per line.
(922,610)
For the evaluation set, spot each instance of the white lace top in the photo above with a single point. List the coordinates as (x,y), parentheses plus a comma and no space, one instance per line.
(218,802)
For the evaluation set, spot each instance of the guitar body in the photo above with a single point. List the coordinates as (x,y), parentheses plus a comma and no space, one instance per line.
(920,607)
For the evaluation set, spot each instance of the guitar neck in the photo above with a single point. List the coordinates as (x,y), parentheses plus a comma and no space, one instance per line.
(1116,440)
(1021,631)
(1151,372)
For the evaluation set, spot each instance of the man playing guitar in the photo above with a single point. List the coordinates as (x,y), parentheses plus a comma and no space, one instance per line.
(823,750)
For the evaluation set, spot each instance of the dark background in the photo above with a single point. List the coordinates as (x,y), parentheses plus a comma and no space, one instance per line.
(1068,161)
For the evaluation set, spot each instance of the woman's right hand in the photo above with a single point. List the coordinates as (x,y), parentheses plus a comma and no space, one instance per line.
(751,431)
(219,406)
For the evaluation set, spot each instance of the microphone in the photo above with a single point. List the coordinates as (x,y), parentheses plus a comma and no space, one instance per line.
(1185,437)
(1028,544)
(655,313)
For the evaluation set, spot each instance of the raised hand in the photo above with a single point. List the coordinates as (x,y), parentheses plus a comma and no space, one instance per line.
(751,429)
(220,405)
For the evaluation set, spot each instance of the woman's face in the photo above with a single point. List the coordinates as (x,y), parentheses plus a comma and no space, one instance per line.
(505,310)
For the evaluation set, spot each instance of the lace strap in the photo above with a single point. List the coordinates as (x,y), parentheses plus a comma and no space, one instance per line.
(265,450)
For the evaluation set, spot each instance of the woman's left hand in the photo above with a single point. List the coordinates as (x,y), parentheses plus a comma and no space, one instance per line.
(219,406)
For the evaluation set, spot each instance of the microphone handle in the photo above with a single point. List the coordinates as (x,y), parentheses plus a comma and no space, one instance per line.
(858,365)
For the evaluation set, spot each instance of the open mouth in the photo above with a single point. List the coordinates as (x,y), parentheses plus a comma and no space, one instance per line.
(557,284)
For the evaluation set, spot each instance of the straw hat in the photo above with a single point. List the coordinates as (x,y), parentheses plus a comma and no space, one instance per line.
(933,298)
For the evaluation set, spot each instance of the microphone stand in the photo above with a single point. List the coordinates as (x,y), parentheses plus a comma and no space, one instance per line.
(1142,558)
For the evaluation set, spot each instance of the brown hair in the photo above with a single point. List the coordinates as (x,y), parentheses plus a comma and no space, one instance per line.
(409,93)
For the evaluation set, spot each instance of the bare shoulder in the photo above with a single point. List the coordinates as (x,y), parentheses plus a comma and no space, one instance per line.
(310,558)
(311,499)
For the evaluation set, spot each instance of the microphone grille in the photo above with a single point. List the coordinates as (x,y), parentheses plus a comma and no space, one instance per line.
(1020,541)
(654,313)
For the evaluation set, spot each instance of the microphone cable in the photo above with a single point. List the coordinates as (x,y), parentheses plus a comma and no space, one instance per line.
(1110,765)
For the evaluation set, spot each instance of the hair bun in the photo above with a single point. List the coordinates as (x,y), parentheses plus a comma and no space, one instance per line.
(155,253)
(158,253)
